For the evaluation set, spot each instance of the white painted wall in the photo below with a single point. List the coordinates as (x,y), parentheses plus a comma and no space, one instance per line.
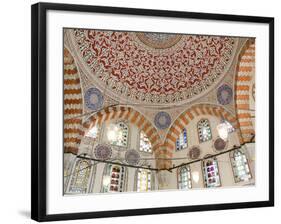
(167,180)
(87,146)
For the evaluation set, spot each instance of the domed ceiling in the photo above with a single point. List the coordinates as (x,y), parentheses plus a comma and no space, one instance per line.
(154,68)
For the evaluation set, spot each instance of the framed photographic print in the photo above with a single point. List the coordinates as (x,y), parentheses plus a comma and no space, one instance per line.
(139,111)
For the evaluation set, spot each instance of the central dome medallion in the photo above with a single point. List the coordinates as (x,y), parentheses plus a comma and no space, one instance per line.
(154,68)
(159,40)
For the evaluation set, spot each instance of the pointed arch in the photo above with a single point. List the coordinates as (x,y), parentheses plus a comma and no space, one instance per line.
(186,117)
(124,113)
(243,78)
(73,104)
(189,114)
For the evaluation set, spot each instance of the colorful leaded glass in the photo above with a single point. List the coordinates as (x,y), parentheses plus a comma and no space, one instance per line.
(211,173)
(181,142)
(113,179)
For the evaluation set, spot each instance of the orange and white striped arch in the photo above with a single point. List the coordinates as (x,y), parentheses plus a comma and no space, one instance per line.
(124,113)
(186,117)
(243,80)
(73,105)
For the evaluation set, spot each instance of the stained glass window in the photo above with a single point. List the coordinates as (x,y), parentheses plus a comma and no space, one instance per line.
(204,130)
(211,173)
(114,178)
(143,180)
(184,178)
(93,132)
(80,177)
(240,166)
(145,144)
(181,142)
(119,134)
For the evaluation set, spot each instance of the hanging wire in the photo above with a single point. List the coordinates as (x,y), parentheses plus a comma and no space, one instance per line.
(144,167)
(210,156)
(166,169)
(94,164)
(117,163)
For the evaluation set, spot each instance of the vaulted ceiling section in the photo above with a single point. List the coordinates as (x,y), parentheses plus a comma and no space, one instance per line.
(157,81)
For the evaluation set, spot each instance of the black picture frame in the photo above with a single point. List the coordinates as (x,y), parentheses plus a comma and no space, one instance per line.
(39,108)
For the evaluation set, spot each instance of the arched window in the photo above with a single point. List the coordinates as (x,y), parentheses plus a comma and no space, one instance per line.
(204,130)
(145,145)
(93,132)
(211,173)
(229,127)
(181,142)
(117,134)
(184,178)
(240,166)
(113,178)
(224,128)
(143,180)
(80,176)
